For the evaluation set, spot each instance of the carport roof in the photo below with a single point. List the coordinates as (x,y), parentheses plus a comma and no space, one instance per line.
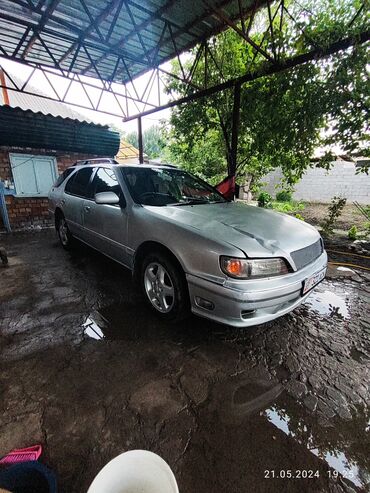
(114,40)
(27,129)
(36,101)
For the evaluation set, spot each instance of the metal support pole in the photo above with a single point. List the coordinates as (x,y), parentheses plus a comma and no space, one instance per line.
(4,88)
(140,140)
(3,209)
(235,130)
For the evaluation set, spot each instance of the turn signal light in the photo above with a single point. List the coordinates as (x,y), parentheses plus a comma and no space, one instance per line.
(253,268)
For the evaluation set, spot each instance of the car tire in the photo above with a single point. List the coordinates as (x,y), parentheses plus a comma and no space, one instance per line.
(164,287)
(65,237)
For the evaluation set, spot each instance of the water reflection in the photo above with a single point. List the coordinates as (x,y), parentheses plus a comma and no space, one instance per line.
(345,269)
(334,457)
(131,322)
(329,303)
(92,329)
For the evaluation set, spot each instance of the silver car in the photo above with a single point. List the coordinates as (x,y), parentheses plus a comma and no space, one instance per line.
(187,247)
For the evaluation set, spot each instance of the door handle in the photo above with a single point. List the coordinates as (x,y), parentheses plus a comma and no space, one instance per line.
(87,208)
(63,201)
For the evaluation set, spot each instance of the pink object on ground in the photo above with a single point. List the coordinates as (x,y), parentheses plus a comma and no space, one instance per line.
(22,455)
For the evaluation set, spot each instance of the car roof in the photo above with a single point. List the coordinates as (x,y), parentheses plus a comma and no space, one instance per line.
(93,163)
(138,165)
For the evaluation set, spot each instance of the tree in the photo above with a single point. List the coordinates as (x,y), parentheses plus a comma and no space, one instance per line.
(116,128)
(284,117)
(153,141)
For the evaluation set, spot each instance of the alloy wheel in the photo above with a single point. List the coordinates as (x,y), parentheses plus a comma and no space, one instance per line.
(159,287)
(63,232)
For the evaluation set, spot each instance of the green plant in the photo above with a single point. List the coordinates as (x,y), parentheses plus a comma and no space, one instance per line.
(283,117)
(352,233)
(288,207)
(366,233)
(154,139)
(284,196)
(335,209)
(264,199)
(298,216)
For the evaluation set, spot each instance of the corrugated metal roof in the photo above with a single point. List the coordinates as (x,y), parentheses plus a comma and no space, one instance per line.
(28,129)
(113,38)
(35,103)
(126,151)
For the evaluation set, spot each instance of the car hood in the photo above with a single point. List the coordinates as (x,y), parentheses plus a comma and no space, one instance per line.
(254,230)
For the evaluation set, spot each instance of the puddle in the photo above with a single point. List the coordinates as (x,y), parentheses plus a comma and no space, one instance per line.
(345,269)
(336,458)
(92,329)
(120,321)
(236,399)
(329,303)
(130,321)
(252,396)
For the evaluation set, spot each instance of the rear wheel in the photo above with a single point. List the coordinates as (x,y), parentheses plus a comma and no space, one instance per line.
(164,287)
(65,236)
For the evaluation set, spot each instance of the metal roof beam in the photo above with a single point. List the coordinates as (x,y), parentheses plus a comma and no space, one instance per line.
(156,15)
(137,31)
(103,14)
(94,43)
(185,29)
(270,69)
(93,23)
(28,5)
(220,14)
(41,24)
(36,18)
(170,39)
(68,37)
(114,22)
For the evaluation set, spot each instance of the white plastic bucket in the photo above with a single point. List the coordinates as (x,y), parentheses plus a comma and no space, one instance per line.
(136,471)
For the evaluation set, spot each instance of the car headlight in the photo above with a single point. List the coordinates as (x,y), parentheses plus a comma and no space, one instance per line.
(242,268)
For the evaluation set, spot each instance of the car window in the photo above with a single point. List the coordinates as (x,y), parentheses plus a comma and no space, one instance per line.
(78,184)
(63,176)
(167,186)
(105,180)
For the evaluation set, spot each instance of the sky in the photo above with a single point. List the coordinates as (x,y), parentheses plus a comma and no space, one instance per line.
(77,95)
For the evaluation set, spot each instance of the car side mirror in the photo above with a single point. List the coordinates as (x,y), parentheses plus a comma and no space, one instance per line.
(109,198)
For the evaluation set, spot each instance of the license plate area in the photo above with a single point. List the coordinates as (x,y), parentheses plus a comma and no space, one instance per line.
(312,281)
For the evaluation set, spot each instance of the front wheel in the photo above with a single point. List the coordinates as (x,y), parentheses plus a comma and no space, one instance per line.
(164,287)
(65,236)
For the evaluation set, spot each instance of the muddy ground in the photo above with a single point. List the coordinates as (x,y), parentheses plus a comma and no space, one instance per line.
(315,213)
(88,372)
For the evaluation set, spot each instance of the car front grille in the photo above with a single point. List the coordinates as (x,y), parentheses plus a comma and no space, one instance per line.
(308,254)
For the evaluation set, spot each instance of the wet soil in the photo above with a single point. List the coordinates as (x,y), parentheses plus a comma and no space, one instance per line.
(89,372)
(315,213)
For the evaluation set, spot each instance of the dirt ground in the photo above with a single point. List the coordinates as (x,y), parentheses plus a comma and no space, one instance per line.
(315,213)
(88,372)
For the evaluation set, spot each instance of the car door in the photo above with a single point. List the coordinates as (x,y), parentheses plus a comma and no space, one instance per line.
(106,224)
(76,191)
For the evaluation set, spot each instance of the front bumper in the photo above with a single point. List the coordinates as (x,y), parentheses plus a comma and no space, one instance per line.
(247,303)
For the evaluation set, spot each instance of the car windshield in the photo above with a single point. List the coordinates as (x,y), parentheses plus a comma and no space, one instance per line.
(168,186)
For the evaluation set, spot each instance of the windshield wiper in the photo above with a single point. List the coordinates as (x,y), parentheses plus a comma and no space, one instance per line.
(192,202)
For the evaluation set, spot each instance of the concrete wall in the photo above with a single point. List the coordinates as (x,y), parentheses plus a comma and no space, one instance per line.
(25,212)
(319,185)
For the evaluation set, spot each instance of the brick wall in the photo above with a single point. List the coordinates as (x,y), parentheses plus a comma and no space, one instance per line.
(26,212)
(319,185)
